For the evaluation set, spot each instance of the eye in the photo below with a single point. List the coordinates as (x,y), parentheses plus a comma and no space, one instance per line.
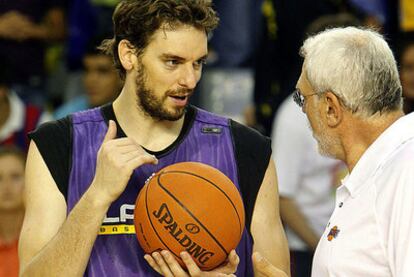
(199,63)
(172,62)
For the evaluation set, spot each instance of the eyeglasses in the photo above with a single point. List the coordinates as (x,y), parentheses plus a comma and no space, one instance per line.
(299,98)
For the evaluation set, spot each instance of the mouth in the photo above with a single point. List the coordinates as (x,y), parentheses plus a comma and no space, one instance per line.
(183,97)
(180,100)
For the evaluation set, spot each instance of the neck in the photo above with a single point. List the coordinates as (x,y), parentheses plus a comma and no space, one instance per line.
(150,133)
(10,225)
(359,134)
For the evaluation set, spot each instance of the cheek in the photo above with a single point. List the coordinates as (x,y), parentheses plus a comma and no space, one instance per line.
(160,80)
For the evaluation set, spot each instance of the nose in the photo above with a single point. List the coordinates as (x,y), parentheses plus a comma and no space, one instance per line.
(189,77)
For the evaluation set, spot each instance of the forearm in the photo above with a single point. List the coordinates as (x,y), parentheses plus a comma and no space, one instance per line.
(52,28)
(272,245)
(296,221)
(67,254)
(46,32)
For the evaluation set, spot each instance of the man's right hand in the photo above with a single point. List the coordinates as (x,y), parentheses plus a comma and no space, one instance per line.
(116,161)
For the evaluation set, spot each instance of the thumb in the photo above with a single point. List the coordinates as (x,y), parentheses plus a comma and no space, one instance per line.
(111,133)
(263,266)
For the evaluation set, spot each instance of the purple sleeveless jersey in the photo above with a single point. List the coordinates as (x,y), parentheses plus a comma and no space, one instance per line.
(116,251)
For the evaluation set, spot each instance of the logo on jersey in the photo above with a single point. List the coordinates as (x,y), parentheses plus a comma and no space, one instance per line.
(333,233)
(122,224)
(211,130)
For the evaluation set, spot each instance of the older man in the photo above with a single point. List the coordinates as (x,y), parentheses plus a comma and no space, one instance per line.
(351,93)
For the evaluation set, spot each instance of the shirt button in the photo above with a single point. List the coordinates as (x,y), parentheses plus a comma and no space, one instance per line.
(341,204)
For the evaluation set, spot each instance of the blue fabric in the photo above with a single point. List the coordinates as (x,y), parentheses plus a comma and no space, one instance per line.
(82,23)
(78,104)
(372,7)
(235,37)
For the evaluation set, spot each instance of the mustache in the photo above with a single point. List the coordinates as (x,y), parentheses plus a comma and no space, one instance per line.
(180,92)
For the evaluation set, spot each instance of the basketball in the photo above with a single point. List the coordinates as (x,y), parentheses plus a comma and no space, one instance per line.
(190,207)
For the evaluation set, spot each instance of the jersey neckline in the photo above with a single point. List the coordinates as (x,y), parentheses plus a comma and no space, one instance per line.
(108,113)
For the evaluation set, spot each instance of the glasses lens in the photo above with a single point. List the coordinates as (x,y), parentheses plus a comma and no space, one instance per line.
(297,97)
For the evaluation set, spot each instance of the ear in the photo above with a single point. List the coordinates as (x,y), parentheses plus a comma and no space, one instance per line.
(126,53)
(333,109)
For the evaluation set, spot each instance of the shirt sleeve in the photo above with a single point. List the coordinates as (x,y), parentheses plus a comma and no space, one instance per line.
(253,152)
(53,139)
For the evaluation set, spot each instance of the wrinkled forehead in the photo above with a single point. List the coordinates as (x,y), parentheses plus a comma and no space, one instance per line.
(182,40)
(303,83)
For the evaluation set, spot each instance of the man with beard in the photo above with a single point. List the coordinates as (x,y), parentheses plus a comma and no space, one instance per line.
(85,171)
(351,93)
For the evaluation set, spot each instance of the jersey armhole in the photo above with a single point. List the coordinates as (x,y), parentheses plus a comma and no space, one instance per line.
(253,152)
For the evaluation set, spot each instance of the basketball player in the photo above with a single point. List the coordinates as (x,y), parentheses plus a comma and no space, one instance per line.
(351,93)
(84,172)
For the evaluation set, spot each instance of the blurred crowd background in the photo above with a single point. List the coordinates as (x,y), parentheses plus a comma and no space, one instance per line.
(252,67)
(49,67)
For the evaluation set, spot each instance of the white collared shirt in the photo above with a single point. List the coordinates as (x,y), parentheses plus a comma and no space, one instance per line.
(374,212)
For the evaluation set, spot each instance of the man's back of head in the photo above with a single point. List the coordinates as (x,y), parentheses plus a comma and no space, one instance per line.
(358,66)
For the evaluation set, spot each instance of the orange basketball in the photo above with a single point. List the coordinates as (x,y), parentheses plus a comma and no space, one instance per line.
(193,207)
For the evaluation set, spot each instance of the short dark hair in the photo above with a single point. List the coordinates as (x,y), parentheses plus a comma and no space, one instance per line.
(93,46)
(137,20)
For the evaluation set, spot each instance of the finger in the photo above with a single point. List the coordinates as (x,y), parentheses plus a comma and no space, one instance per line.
(141,159)
(152,263)
(192,267)
(162,264)
(125,141)
(263,266)
(130,148)
(111,133)
(234,260)
(174,266)
(231,265)
(130,155)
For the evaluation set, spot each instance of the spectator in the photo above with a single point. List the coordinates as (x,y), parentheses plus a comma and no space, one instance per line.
(16,117)
(101,81)
(12,163)
(25,27)
(86,19)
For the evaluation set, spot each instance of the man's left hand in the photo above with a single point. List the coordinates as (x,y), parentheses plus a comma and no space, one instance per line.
(165,264)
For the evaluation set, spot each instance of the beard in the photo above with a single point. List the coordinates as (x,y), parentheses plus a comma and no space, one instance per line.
(152,105)
(326,142)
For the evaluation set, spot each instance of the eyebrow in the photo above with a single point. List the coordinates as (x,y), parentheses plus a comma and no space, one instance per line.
(178,58)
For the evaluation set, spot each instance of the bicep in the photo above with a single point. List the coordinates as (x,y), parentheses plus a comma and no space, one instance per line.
(45,207)
(267,201)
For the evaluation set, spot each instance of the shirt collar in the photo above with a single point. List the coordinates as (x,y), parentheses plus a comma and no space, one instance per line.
(377,153)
